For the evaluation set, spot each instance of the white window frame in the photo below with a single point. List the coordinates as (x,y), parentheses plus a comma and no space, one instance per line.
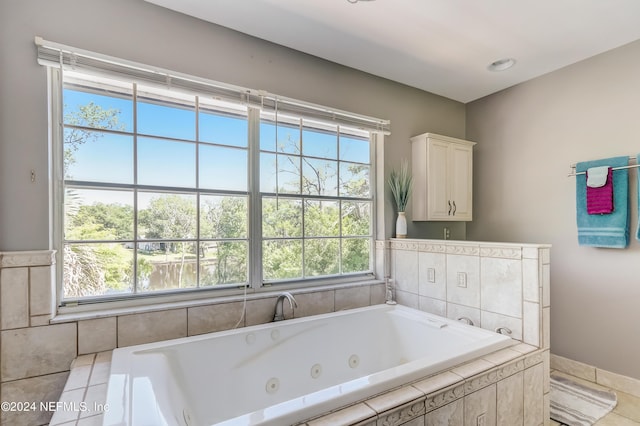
(377,128)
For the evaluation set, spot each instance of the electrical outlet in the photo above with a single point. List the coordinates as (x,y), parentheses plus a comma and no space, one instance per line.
(431,275)
(462,279)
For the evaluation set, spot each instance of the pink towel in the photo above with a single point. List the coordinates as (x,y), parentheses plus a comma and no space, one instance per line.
(600,200)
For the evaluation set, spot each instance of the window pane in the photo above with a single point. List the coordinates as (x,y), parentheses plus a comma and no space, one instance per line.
(321,257)
(280,173)
(267,136)
(222,129)
(166,216)
(321,218)
(98,214)
(166,265)
(320,177)
(223,263)
(97,156)
(223,217)
(316,143)
(354,149)
(356,218)
(97,269)
(356,255)
(168,119)
(281,218)
(281,259)
(354,180)
(98,108)
(166,163)
(288,139)
(223,168)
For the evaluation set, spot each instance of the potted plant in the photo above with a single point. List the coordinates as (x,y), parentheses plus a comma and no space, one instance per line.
(400,183)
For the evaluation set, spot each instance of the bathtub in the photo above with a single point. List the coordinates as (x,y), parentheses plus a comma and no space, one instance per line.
(286,372)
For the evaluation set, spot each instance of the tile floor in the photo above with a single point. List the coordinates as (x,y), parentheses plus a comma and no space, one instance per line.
(626,413)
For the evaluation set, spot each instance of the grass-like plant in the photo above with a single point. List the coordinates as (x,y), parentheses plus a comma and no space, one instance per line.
(400,183)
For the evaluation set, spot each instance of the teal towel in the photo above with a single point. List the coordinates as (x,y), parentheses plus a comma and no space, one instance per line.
(606,230)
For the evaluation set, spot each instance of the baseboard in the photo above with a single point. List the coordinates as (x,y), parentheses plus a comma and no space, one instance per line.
(596,375)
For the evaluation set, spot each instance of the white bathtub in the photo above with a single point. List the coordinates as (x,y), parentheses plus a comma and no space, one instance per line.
(285,372)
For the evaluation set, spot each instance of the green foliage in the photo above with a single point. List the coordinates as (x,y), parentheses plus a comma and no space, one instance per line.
(400,183)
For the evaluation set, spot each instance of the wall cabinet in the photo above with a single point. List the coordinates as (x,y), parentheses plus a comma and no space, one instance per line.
(442,169)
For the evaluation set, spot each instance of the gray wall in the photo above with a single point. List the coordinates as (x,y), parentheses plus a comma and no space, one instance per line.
(141,32)
(527,137)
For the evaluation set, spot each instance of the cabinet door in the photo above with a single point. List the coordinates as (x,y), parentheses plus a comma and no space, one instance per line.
(437,180)
(460,181)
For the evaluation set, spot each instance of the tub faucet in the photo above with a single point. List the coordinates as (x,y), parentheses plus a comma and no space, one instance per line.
(503,330)
(466,319)
(279,313)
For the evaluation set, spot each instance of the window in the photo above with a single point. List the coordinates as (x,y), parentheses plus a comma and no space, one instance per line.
(159,195)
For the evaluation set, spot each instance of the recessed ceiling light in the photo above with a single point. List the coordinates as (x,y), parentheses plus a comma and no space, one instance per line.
(501,64)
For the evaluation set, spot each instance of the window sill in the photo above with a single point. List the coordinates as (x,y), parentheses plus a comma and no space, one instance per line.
(129,307)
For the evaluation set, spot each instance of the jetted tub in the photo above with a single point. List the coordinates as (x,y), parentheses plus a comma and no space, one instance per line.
(286,372)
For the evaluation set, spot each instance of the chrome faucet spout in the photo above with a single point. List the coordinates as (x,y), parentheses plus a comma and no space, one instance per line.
(279,312)
(466,319)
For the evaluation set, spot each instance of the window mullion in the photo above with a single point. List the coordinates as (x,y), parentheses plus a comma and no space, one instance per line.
(255,199)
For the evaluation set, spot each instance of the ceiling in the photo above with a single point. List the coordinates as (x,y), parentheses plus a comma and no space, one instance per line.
(441,46)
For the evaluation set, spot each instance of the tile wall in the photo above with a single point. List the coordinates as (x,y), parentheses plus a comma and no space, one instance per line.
(493,284)
(36,350)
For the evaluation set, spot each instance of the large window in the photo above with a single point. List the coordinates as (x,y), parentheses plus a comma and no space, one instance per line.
(159,195)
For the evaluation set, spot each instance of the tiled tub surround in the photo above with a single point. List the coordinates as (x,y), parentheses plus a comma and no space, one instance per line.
(285,372)
(36,351)
(507,387)
(493,284)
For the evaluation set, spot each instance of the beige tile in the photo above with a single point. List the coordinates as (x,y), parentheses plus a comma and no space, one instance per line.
(97,335)
(95,399)
(451,414)
(405,273)
(38,320)
(41,285)
(101,369)
(470,267)
(533,380)
(628,406)
(71,400)
(407,299)
(350,415)
(531,323)
(574,368)
(432,275)
(614,419)
(502,356)
(28,352)
(510,405)
(320,302)
(151,327)
(260,311)
(481,405)
(501,286)
(83,360)
(353,297)
(78,377)
(393,399)
(546,286)
(378,294)
(212,318)
(472,368)
(618,382)
(14,298)
(418,421)
(42,388)
(530,280)
(523,348)
(91,421)
(437,382)
(491,321)
(554,423)
(433,306)
(546,328)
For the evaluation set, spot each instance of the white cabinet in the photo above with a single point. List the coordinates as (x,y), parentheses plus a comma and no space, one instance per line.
(442,169)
